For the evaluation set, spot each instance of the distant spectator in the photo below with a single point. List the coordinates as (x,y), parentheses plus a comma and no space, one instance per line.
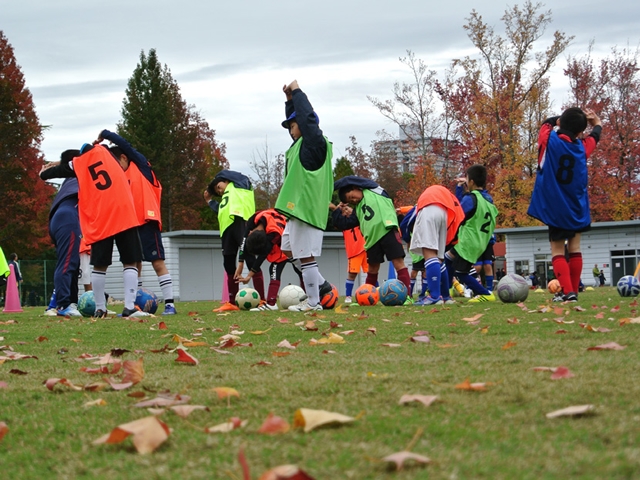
(596,275)
(602,279)
(13,260)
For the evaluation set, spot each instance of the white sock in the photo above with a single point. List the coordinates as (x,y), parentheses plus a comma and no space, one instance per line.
(130,280)
(311,276)
(166,285)
(98,280)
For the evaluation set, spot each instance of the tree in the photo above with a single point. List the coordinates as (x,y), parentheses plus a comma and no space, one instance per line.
(500,99)
(359,161)
(342,169)
(612,89)
(178,142)
(270,175)
(25,198)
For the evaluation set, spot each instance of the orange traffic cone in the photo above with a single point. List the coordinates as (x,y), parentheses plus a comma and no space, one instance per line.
(12,300)
(225,289)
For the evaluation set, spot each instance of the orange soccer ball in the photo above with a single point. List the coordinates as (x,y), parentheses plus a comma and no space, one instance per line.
(367,295)
(554,286)
(329,300)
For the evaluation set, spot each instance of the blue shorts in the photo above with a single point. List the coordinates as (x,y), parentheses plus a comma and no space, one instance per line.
(151,240)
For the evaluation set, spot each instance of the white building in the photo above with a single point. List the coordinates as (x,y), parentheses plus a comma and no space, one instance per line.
(613,246)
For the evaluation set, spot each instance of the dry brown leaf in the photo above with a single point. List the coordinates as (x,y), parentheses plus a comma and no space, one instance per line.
(421,339)
(286,472)
(51,382)
(561,372)
(133,371)
(475,318)
(3,430)
(509,345)
(226,427)
(281,354)
(185,357)
(332,338)
(262,363)
(572,411)
(274,425)
(477,387)
(310,326)
(260,332)
(98,402)
(392,345)
(513,321)
(372,330)
(309,419)
(286,344)
(400,457)
(148,434)
(191,343)
(164,400)
(426,400)
(608,346)
(226,392)
(185,410)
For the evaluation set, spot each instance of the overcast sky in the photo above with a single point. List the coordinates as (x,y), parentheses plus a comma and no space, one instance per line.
(231,59)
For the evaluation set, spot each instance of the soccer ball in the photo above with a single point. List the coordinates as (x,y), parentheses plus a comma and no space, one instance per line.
(554,286)
(87,304)
(291,295)
(329,300)
(146,300)
(247,298)
(512,288)
(393,292)
(628,286)
(367,295)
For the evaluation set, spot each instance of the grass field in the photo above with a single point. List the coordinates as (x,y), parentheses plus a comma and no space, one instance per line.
(502,432)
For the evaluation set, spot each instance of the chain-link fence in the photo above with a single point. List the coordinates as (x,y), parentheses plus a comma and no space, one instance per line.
(37,282)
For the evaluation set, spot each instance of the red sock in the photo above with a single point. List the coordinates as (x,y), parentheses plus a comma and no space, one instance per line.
(232,286)
(562,273)
(372,279)
(403,276)
(258,283)
(575,269)
(272,296)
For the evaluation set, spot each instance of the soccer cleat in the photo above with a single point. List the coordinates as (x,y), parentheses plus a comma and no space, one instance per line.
(449,301)
(571,297)
(347,299)
(51,312)
(227,307)
(559,297)
(423,301)
(408,301)
(134,313)
(264,307)
(169,310)
(325,288)
(100,314)
(483,298)
(305,307)
(70,311)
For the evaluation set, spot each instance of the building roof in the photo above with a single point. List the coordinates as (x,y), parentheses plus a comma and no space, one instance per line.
(594,226)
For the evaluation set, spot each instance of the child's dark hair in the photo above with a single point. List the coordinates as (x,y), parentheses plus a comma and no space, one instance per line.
(211,188)
(478,173)
(344,190)
(573,120)
(117,151)
(257,243)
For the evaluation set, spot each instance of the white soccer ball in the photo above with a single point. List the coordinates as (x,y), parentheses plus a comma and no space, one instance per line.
(247,298)
(291,295)
(512,288)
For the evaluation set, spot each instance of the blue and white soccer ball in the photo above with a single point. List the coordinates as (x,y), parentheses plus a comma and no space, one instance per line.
(247,298)
(628,286)
(87,304)
(146,300)
(393,292)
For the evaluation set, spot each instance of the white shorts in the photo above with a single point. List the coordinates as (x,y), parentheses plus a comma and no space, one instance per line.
(430,230)
(85,269)
(301,239)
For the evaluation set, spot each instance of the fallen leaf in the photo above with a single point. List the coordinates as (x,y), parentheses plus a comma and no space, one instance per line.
(309,419)
(599,315)
(262,363)
(148,434)
(164,400)
(226,392)
(561,331)
(116,385)
(399,458)
(572,411)
(347,332)
(3,385)
(328,352)
(274,425)
(190,344)
(185,357)
(286,472)
(392,345)
(226,427)
(561,372)
(615,309)
(544,369)
(477,387)
(513,321)
(475,318)
(99,402)
(133,371)
(3,430)
(447,345)
(484,330)
(310,326)
(578,308)
(372,330)
(332,338)
(260,332)
(51,382)
(426,400)
(162,326)
(185,410)
(281,354)
(42,339)
(508,345)
(285,344)
(282,320)
(608,346)
(421,339)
